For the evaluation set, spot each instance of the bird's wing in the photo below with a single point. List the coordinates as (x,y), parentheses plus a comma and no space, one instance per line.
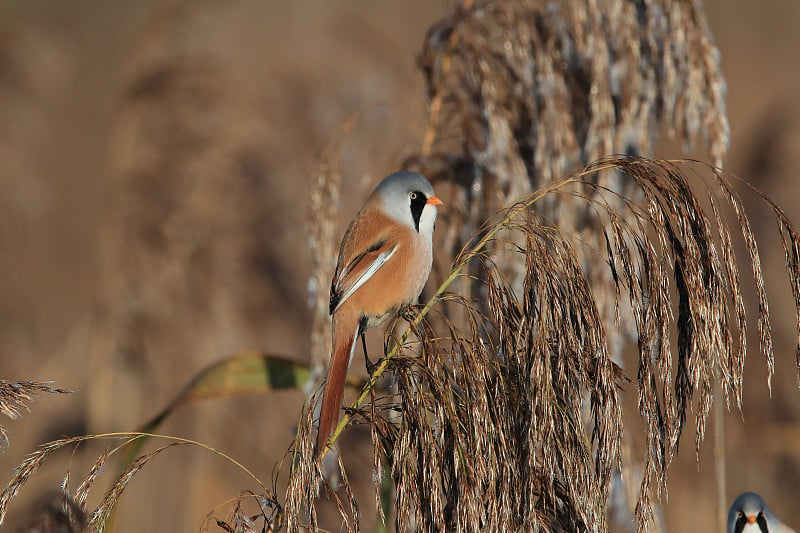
(360,269)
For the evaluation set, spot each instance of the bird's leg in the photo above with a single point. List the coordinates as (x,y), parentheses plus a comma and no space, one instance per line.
(369,364)
(370,371)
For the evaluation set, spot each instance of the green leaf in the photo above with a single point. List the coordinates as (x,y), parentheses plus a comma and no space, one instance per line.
(244,373)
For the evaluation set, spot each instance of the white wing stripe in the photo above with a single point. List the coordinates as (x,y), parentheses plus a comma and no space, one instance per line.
(353,346)
(373,267)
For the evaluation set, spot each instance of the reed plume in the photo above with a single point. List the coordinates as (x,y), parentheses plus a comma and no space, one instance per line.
(494,433)
(510,414)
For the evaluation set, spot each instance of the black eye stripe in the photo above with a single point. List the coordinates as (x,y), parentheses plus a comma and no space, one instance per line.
(418,202)
(741,521)
(762,522)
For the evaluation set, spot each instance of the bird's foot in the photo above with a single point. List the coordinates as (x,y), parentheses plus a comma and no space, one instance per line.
(408,313)
(372,367)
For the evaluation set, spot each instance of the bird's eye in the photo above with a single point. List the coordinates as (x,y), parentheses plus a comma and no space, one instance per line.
(740,514)
(413,196)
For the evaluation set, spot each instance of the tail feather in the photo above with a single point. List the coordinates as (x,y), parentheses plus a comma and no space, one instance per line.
(343,344)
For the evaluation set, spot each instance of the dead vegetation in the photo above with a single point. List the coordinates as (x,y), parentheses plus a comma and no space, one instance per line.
(511,418)
(494,400)
(505,403)
(15,397)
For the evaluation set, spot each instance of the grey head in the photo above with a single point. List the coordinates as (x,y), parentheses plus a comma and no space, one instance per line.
(749,514)
(407,198)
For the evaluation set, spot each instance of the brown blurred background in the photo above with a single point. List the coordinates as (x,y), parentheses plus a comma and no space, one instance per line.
(155,164)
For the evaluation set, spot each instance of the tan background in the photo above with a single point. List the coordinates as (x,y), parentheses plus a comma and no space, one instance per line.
(277,82)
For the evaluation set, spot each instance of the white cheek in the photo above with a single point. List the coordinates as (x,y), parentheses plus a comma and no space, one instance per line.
(427,220)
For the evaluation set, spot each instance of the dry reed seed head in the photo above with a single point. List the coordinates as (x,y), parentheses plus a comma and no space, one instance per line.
(350,514)
(82,492)
(305,476)
(28,467)
(524,91)
(441,482)
(541,72)
(790,241)
(706,280)
(101,513)
(15,395)
(322,224)
(731,379)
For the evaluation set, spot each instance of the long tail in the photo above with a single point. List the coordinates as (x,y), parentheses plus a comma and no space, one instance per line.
(344,338)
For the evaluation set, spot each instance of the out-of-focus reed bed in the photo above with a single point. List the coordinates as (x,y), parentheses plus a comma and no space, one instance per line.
(214,130)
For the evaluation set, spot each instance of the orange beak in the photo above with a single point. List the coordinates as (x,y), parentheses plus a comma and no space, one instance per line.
(751,519)
(433,200)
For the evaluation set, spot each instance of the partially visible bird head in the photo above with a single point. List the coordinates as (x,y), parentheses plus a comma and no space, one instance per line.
(749,514)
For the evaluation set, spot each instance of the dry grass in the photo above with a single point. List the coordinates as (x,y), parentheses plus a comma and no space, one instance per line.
(523,92)
(73,507)
(15,397)
(494,431)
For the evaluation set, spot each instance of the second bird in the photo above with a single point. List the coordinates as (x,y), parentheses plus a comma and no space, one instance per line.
(749,514)
(384,262)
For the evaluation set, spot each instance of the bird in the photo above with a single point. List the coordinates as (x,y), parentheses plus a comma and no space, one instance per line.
(384,261)
(749,514)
